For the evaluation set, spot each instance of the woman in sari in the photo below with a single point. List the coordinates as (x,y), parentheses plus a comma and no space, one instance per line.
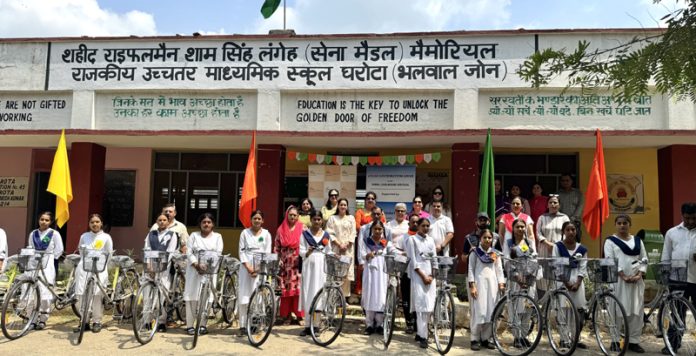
(287,246)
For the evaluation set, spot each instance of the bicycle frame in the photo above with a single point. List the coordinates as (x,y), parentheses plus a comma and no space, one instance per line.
(38,276)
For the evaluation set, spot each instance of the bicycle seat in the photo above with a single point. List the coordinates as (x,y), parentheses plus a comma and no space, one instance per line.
(73,259)
(123,261)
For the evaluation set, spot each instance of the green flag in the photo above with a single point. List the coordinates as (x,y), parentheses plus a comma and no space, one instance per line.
(269,7)
(487,186)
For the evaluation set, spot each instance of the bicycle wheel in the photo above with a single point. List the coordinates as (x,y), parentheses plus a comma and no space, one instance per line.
(70,296)
(561,322)
(127,287)
(389,315)
(20,309)
(201,313)
(516,325)
(326,315)
(443,322)
(261,315)
(179,285)
(229,297)
(146,311)
(677,316)
(86,308)
(610,325)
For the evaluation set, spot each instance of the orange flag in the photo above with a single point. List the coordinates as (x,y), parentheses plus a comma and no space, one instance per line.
(596,196)
(248,202)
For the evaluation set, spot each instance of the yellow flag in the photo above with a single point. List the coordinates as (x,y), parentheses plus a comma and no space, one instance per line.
(59,183)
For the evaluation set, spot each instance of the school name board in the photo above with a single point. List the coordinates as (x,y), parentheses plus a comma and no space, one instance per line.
(176,111)
(573,109)
(366,111)
(35,111)
(315,63)
(13,192)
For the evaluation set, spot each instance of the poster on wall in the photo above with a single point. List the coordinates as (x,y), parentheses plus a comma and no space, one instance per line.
(625,193)
(392,184)
(321,178)
(13,192)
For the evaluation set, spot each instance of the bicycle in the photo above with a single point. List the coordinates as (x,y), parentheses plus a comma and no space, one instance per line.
(178,284)
(154,300)
(228,288)
(20,308)
(209,263)
(442,323)
(560,314)
(327,313)
(8,277)
(93,262)
(263,306)
(609,322)
(674,311)
(516,315)
(123,286)
(394,266)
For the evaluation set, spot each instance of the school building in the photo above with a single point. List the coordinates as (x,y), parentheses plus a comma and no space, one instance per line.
(151,120)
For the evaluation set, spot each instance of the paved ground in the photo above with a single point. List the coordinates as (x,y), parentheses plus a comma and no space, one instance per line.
(58,339)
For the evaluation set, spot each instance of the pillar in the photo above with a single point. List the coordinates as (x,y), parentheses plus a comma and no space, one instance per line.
(465,189)
(270,184)
(677,182)
(87,176)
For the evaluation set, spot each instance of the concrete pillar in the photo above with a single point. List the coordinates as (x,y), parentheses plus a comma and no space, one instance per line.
(87,175)
(677,182)
(270,184)
(465,189)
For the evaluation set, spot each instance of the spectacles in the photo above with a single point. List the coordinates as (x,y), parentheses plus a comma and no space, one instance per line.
(437,193)
(369,198)
(333,195)
(400,211)
(418,201)
(553,195)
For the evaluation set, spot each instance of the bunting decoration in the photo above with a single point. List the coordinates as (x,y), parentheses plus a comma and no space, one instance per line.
(340,160)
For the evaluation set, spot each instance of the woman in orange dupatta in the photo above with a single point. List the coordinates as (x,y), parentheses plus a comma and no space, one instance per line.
(287,246)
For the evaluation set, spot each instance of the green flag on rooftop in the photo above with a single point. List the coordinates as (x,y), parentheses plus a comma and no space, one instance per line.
(269,7)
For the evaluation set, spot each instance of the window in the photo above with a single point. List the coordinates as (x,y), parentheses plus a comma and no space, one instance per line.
(199,183)
(525,169)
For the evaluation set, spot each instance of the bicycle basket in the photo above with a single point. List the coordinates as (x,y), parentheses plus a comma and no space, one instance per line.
(210,260)
(446,268)
(94,260)
(556,269)
(30,259)
(337,266)
(154,261)
(180,261)
(603,270)
(395,265)
(266,264)
(670,273)
(522,271)
(231,263)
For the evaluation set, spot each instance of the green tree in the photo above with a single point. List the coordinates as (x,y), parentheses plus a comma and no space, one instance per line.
(666,60)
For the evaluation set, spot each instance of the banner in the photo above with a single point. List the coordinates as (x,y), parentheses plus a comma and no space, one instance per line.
(393,184)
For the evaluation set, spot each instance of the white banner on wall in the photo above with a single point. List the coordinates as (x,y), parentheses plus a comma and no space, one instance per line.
(376,111)
(392,184)
(321,178)
(40,111)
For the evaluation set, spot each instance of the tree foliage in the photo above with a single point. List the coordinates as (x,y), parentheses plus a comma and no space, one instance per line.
(666,61)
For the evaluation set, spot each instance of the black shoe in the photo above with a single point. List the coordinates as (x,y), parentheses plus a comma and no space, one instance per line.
(418,338)
(488,344)
(190,331)
(423,343)
(665,351)
(581,345)
(96,327)
(305,332)
(409,330)
(636,348)
(379,330)
(475,345)
(203,330)
(615,347)
(162,328)
(369,331)
(40,326)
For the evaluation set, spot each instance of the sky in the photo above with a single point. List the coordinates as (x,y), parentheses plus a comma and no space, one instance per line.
(67,18)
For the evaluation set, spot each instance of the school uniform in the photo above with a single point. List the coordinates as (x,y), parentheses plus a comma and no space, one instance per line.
(50,242)
(422,295)
(165,241)
(247,283)
(486,271)
(93,241)
(194,280)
